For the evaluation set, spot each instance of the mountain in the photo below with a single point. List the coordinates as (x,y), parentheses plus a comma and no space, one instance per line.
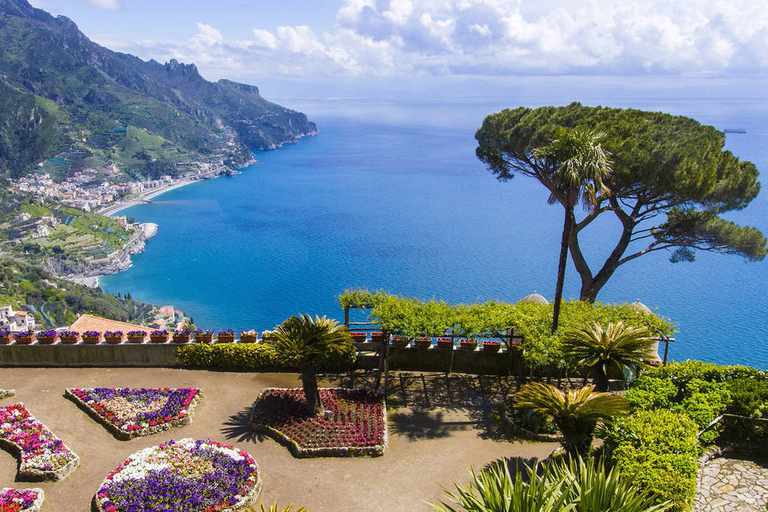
(61,93)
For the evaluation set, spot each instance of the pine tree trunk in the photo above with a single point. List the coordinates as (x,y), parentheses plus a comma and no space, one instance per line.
(311,392)
(567,224)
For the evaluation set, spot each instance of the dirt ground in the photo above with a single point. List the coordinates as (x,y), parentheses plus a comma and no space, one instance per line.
(434,436)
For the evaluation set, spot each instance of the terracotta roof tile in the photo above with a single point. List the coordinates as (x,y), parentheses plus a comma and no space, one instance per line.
(96,323)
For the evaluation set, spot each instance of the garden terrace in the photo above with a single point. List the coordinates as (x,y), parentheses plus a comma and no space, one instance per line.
(432,440)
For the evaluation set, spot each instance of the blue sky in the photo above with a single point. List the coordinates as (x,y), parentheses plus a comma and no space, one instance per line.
(351,45)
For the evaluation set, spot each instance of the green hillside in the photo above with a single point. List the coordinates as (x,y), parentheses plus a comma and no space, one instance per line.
(60,92)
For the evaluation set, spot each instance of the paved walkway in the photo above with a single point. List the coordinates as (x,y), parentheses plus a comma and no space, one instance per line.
(732,485)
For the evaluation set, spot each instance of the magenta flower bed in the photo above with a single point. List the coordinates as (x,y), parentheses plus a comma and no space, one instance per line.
(43,455)
(186,475)
(134,412)
(357,424)
(21,500)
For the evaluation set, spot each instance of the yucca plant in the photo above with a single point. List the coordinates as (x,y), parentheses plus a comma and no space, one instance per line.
(568,485)
(600,349)
(496,490)
(301,340)
(576,411)
(276,508)
(594,489)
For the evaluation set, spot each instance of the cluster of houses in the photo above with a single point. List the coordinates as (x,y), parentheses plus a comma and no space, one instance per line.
(15,321)
(83,189)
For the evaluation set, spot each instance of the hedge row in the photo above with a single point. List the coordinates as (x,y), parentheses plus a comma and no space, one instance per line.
(251,356)
(657,450)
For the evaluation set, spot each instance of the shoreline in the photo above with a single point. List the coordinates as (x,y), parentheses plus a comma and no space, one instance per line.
(143,198)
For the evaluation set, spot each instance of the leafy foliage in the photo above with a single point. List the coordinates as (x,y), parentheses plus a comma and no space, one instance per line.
(251,356)
(303,340)
(540,348)
(602,348)
(57,302)
(663,165)
(572,484)
(576,411)
(656,450)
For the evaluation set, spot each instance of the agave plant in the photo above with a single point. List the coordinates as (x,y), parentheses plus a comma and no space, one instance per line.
(276,508)
(601,348)
(569,485)
(576,411)
(302,340)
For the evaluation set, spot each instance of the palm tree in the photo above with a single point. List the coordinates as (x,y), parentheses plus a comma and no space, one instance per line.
(578,165)
(576,411)
(302,340)
(615,346)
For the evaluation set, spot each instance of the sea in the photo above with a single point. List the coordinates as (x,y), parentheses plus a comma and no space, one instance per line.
(390,196)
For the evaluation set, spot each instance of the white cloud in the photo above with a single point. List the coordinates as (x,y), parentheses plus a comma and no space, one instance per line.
(110,5)
(499,37)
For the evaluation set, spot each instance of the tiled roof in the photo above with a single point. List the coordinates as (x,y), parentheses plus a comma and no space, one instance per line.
(96,323)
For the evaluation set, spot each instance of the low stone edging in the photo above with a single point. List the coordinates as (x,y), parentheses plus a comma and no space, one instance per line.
(36,505)
(122,434)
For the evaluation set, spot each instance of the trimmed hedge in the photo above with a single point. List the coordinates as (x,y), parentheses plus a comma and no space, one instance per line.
(657,450)
(251,356)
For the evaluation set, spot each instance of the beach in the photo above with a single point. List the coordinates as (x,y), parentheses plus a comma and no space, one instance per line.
(144,197)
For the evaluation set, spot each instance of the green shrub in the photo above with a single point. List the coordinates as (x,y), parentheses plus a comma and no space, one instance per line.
(749,397)
(657,450)
(250,356)
(710,372)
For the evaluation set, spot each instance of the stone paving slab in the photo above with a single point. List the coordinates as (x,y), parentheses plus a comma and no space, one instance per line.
(731,485)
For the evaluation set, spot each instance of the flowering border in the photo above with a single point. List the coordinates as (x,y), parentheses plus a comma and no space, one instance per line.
(183,417)
(245,500)
(326,451)
(10,496)
(23,422)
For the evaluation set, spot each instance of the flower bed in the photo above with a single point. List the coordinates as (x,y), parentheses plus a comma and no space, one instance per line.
(129,413)
(5,393)
(357,424)
(21,500)
(43,455)
(188,475)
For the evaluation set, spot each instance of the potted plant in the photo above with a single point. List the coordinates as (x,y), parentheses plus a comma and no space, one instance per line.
(444,342)
(47,337)
(91,337)
(422,342)
(468,344)
(181,335)
(203,336)
(5,337)
(399,341)
(491,345)
(137,336)
(113,337)
(358,337)
(225,336)
(267,335)
(377,337)
(25,337)
(249,336)
(69,337)
(158,336)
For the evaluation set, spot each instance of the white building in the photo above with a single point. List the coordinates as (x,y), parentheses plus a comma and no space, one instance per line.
(15,320)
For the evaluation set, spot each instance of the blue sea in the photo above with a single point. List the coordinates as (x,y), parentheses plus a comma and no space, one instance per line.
(391,196)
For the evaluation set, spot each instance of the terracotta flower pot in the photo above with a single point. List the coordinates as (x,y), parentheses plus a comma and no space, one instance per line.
(6,340)
(203,338)
(136,339)
(491,346)
(225,338)
(158,338)
(69,340)
(444,342)
(25,340)
(181,338)
(46,340)
(466,344)
(358,337)
(248,339)
(114,340)
(91,340)
(422,343)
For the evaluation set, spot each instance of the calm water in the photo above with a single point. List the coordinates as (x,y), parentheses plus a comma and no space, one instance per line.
(390,196)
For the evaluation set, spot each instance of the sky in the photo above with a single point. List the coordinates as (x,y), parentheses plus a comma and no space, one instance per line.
(357,44)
